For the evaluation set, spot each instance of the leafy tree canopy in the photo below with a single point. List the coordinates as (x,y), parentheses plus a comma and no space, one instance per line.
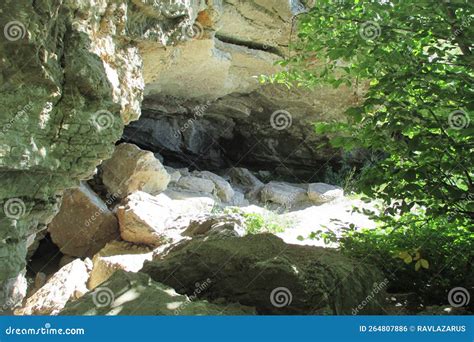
(411,62)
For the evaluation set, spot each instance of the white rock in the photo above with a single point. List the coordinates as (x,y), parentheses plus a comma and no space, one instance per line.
(245,181)
(117,255)
(283,193)
(322,193)
(196,184)
(239,200)
(175,175)
(68,283)
(131,169)
(223,189)
(143,218)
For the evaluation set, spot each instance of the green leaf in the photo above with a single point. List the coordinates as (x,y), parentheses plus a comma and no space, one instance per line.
(424,263)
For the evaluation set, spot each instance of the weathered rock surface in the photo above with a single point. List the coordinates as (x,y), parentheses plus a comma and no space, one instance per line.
(230,225)
(143,218)
(84,224)
(68,283)
(283,193)
(195,184)
(262,271)
(223,189)
(322,193)
(136,294)
(70,81)
(117,255)
(246,181)
(131,169)
(224,116)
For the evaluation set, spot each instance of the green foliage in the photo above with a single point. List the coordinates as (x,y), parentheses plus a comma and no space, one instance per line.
(413,63)
(256,223)
(419,254)
(415,67)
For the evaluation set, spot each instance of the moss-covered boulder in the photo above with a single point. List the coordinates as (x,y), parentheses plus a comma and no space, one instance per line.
(277,278)
(136,294)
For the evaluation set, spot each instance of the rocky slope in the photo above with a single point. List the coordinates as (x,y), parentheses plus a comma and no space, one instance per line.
(206,236)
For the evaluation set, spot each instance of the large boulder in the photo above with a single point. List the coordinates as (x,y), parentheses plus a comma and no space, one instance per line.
(131,169)
(223,189)
(136,294)
(117,255)
(195,184)
(321,193)
(283,193)
(84,224)
(262,271)
(143,218)
(246,181)
(68,283)
(229,224)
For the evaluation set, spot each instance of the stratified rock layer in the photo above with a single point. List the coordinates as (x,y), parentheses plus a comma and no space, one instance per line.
(204,105)
(70,81)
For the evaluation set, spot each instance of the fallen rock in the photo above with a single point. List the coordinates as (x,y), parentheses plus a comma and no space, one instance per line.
(143,218)
(243,177)
(131,169)
(245,181)
(117,255)
(189,203)
(283,193)
(84,224)
(239,200)
(228,224)
(136,294)
(68,283)
(321,193)
(196,184)
(175,175)
(223,189)
(262,271)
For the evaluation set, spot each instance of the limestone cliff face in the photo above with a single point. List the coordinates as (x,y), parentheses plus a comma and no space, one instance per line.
(204,105)
(74,72)
(70,80)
